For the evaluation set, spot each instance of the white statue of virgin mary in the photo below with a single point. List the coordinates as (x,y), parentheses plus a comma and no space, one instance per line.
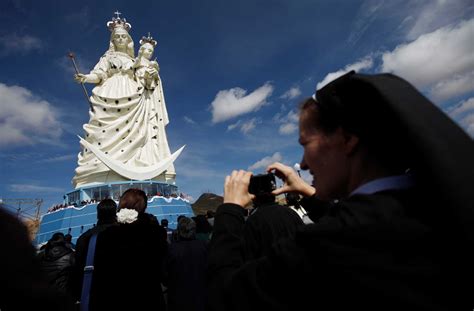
(125,137)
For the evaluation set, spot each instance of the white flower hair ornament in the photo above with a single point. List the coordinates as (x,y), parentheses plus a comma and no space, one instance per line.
(127,216)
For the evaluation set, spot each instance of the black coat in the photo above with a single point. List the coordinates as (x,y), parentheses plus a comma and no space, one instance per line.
(128,267)
(82,247)
(22,284)
(185,271)
(368,252)
(57,263)
(266,225)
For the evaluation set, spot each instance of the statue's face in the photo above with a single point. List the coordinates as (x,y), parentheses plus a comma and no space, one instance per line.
(147,50)
(120,38)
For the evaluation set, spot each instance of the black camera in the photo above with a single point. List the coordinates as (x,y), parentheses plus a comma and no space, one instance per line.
(262,184)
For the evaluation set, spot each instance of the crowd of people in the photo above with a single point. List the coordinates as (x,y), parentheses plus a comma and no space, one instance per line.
(391,225)
(58,207)
(173,260)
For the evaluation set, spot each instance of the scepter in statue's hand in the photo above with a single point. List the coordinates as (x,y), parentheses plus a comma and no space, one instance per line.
(79,77)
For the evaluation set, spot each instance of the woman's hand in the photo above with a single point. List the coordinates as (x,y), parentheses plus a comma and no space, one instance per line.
(292,182)
(236,188)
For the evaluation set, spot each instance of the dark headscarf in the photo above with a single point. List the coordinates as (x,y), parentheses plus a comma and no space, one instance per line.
(388,113)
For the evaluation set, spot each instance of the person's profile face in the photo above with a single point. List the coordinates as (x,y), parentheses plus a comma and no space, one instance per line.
(324,157)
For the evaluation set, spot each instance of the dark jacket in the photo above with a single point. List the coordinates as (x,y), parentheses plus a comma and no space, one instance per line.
(368,252)
(82,247)
(266,225)
(22,284)
(185,275)
(57,262)
(127,267)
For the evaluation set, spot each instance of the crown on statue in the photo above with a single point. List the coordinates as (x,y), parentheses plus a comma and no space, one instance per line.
(118,22)
(148,39)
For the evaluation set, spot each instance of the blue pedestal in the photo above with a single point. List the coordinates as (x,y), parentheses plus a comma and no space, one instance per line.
(79,214)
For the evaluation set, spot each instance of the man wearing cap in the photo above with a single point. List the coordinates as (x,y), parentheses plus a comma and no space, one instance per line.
(391,200)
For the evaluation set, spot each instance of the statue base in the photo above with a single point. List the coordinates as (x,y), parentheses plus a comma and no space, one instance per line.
(78,213)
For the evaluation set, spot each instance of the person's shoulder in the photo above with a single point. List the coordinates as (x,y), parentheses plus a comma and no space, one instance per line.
(379,204)
(94,230)
(380,211)
(85,236)
(148,218)
(275,210)
(112,231)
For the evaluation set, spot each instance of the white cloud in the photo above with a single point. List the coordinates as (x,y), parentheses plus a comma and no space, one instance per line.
(458,85)
(289,122)
(367,14)
(234,125)
(248,126)
(58,158)
(245,127)
(266,161)
(189,120)
(434,14)
(463,107)
(293,116)
(365,63)
(292,93)
(32,188)
(234,102)
(277,117)
(287,128)
(444,54)
(463,114)
(25,118)
(14,43)
(468,124)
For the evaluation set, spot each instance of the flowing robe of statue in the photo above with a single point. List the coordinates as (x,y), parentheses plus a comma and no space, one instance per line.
(156,119)
(127,125)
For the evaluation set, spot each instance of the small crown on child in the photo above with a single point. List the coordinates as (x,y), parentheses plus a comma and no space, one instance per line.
(118,22)
(148,39)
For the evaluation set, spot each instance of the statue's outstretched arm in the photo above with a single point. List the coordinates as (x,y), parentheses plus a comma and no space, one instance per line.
(87,78)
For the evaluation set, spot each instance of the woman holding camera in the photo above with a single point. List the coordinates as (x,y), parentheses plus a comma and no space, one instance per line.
(379,241)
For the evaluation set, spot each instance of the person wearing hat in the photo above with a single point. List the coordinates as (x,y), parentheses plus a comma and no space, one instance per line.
(392,203)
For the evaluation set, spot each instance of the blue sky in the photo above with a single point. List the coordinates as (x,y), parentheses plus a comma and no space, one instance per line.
(233,74)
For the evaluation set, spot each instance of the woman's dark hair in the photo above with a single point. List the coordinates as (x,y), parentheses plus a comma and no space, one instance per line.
(106,211)
(134,199)
(320,118)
